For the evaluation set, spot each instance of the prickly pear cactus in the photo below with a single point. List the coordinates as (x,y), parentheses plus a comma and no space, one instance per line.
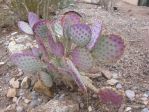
(71,58)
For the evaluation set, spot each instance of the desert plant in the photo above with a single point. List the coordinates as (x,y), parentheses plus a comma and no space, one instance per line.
(44,8)
(68,49)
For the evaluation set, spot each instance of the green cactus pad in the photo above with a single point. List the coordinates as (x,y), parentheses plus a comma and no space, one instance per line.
(80,34)
(109,49)
(82,58)
(26,62)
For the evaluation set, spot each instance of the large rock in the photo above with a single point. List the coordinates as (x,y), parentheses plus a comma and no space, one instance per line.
(41,88)
(58,106)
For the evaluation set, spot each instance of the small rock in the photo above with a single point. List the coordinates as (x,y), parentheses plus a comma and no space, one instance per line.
(34,103)
(94,96)
(81,105)
(14,99)
(145,100)
(26,83)
(20,72)
(11,92)
(147,93)
(27,101)
(41,88)
(128,109)
(107,74)
(14,83)
(2,63)
(89,108)
(19,109)
(118,86)
(145,110)
(130,94)
(112,82)
(34,95)
(114,75)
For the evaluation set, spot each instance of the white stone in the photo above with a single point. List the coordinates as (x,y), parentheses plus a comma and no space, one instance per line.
(128,109)
(11,92)
(26,82)
(118,86)
(89,108)
(130,94)
(27,101)
(14,83)
(114,75)
(14,99)
(112,82)
(2,63)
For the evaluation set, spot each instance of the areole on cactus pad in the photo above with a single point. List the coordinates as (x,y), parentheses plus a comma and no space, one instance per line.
(73,57)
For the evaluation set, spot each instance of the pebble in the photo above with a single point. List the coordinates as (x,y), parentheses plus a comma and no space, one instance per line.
(94,96)
(128,109)
(130,94)
(114,75)
(145,110)
(27,101)
(2,63)
(11,92)
(89,108)
(81,105)
(19,109)
(20,72)
(14,83)
(147,94)
(26,83)
(112,82)
(118,86)
(15,99)
(107,74)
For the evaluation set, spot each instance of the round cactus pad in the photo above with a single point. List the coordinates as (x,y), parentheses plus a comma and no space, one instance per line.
(40,29)
(82,58)
(109,49)
(80,34)
(69,19)
(26,62)
(110,97)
